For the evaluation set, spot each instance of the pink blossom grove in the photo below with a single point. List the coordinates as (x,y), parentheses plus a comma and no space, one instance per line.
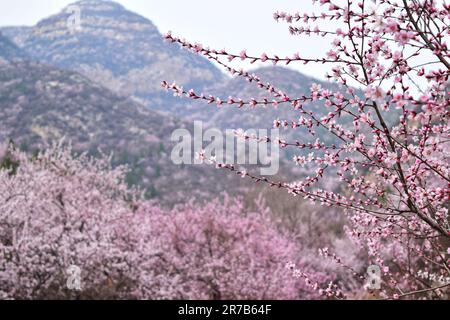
(60,209)
(388,120)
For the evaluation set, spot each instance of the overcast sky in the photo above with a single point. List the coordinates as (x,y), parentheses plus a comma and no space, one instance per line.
(231,24)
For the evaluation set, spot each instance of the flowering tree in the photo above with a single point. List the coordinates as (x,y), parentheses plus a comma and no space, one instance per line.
(392,156)
(220,251)
(55,212)
(59,211)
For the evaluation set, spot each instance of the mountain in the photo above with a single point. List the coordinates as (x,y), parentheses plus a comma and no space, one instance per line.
(122,52)
(119,49)
(40,103)
(125,52)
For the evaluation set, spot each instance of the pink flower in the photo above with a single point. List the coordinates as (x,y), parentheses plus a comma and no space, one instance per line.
(391,159)
(243,55)
(264,57)
(403,37)
(374,93)
(331,54)
(300,160)
(391,26)
(200,156)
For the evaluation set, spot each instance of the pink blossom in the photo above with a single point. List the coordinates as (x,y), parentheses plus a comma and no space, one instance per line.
(264,57)
(391,26)
(403,37)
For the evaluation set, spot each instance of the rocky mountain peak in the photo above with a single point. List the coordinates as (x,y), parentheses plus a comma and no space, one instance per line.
(104,27)
(99,5)
(109,10)
(117,48)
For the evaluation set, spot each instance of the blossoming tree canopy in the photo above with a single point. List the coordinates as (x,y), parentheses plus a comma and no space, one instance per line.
(389,122)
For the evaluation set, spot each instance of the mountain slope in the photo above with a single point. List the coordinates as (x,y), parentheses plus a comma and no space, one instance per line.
(8,50)
(17,34)
(39,104)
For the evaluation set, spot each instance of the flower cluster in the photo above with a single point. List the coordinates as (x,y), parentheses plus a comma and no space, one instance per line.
(59,210)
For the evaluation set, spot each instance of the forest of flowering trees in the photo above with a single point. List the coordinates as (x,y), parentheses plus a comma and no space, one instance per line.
(59,210)
(384,137)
